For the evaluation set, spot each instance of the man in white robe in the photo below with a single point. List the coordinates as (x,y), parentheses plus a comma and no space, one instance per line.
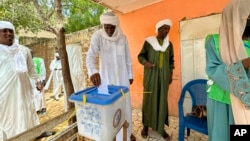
(115,62)
(56,70)
(17,112)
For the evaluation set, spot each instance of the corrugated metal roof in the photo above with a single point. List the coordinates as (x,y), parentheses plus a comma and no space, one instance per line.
(125,6)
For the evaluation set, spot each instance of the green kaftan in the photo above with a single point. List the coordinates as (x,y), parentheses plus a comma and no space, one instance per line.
(156,81)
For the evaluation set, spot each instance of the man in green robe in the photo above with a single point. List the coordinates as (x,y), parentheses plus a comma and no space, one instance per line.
(157,56)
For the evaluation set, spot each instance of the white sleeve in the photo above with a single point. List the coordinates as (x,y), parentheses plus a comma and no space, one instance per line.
(31,67)
(51,67)
(92,54)
(43,70)
(128,61)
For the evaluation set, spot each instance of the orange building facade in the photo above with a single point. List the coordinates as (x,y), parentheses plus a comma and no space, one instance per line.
(139,24)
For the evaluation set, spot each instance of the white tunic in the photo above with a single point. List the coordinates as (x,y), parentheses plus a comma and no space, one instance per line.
(115,61)
(17,112)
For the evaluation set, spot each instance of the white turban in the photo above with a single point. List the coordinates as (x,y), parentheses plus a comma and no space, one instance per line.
(109,18)
(163,22)
(57,54)
(6,24)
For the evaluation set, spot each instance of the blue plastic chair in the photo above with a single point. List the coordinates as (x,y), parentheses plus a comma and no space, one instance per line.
(197,91)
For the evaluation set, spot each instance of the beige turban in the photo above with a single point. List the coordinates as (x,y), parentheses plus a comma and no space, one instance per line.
(109,18)
(6,24)
(163,22)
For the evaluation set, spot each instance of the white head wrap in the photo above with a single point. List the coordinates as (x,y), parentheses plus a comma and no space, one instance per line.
(20,61)
(57,54)
(109,18)
(6,24)
(163,22)
(153,40)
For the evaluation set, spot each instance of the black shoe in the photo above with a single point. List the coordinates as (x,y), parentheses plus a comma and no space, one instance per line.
(144,132)
(132,137)
(46,134)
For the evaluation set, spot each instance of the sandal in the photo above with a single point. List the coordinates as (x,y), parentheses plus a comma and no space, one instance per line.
(144,132)
(46,134)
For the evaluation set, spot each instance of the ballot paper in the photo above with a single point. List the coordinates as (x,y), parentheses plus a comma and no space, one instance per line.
(103,88)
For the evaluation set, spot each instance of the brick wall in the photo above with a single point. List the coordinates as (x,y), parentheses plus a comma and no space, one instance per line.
(45,48)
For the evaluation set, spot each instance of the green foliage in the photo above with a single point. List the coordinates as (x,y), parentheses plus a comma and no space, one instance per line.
(77,14)
(82,14)
(21,14)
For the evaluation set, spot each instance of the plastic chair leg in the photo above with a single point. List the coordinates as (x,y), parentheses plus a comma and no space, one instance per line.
(181,131)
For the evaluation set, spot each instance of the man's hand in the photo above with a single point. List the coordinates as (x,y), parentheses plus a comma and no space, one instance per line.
(96,79)
(39,86)
(148,65)
(131,81)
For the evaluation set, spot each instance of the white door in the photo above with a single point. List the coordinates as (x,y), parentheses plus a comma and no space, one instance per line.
(193,57)
(75,59)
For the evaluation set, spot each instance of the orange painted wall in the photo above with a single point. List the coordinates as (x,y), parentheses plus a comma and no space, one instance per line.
(141,23)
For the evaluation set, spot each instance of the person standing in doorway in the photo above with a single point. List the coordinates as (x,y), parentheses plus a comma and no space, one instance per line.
(115,62)
(157,57)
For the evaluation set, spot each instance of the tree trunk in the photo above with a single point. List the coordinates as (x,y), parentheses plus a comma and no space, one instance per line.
(61,45)
(69,88)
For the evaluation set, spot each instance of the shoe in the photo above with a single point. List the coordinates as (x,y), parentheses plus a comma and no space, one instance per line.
(38,112)
(57,98)
(43,111)
(144,132)
(132,137)
(46,134)
(165,135)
